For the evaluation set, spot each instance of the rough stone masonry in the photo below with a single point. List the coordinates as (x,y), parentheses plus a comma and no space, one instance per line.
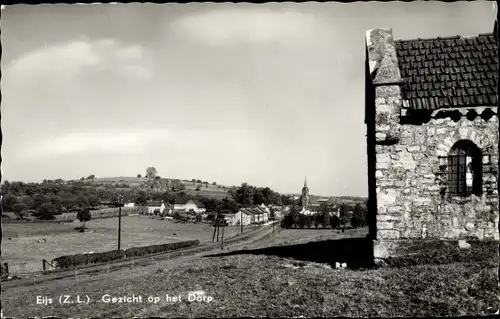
(409,188)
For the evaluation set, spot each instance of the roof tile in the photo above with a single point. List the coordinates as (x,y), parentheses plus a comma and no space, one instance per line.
(450,72)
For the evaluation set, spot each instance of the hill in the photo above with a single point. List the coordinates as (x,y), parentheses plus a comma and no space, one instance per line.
(193,187)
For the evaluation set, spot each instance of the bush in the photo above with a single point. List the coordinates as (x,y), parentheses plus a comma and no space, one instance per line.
(355,221)
(153,249)
(46,211)
(86,259)
(334,222)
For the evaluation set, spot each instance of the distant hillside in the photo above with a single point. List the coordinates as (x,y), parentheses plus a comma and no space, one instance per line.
(164,184)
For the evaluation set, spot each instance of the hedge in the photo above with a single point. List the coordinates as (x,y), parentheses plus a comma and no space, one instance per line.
(86,259)
(146,250)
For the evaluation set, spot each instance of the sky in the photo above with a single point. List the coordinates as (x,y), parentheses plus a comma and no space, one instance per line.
(259,93)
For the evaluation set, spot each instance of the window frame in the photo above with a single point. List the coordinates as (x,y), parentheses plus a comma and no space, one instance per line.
(457,168)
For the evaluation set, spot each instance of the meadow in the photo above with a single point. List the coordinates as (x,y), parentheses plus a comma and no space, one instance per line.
(22,251)
(247,284)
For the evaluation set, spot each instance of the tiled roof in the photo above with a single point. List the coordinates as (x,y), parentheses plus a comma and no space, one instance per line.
(198,203)
(181,201)
(449,72)
(154,203)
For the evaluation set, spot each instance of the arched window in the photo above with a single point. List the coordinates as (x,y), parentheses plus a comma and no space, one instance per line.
(464,169)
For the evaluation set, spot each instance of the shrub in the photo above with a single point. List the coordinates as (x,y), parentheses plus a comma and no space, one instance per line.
(46,211)
(86,259)
(355,221)
(153,249)
(334,222)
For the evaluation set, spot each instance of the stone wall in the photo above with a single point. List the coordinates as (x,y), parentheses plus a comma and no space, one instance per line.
(409,203)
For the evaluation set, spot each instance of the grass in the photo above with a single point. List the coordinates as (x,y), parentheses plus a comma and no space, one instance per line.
(299,236)
(257,285)
(24,253)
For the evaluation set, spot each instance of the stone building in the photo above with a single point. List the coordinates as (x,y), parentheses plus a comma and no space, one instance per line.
(432,138)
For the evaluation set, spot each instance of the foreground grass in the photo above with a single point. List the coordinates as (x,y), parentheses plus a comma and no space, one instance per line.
(250,285)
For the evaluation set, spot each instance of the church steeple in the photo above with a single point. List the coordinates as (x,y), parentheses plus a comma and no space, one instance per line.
(305,195)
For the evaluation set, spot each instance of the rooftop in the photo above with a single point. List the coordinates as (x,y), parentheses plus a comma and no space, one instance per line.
(449,72)
(154,203)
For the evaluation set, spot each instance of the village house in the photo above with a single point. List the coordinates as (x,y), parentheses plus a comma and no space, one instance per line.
(242,214)
(278,211)
(156,207)
(432,139)
(188,205)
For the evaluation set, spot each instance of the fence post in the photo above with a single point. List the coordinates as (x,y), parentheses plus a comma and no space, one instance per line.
(43,265)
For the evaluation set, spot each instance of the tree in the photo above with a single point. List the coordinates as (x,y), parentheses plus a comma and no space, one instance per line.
(342,212)
(139,175)
(214,183)
(334,222)
(272,214)
(56,201)
(18,208)
(8,201)
(295,215)
(151,172)
(40,199)
(93,200)
(360,213)
(287,200)
(142,198)
(28,201)
(157,177)
(82,201)
(46,211)
(302,220)
(308,221)
(167,197)
(243,195)
(68,201)
(198,188)
(83,216)
(91,176)
(355,221)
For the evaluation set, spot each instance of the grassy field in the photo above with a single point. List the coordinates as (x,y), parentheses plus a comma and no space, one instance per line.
(256,285)
(24,253)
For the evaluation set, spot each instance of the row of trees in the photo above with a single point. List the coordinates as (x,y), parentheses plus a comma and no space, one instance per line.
(247,195)
(322,219)
(57,196)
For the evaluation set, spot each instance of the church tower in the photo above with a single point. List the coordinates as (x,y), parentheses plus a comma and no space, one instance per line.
(305,195)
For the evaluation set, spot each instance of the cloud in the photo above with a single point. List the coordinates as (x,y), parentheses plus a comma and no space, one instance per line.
(70,59)
(254,26)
